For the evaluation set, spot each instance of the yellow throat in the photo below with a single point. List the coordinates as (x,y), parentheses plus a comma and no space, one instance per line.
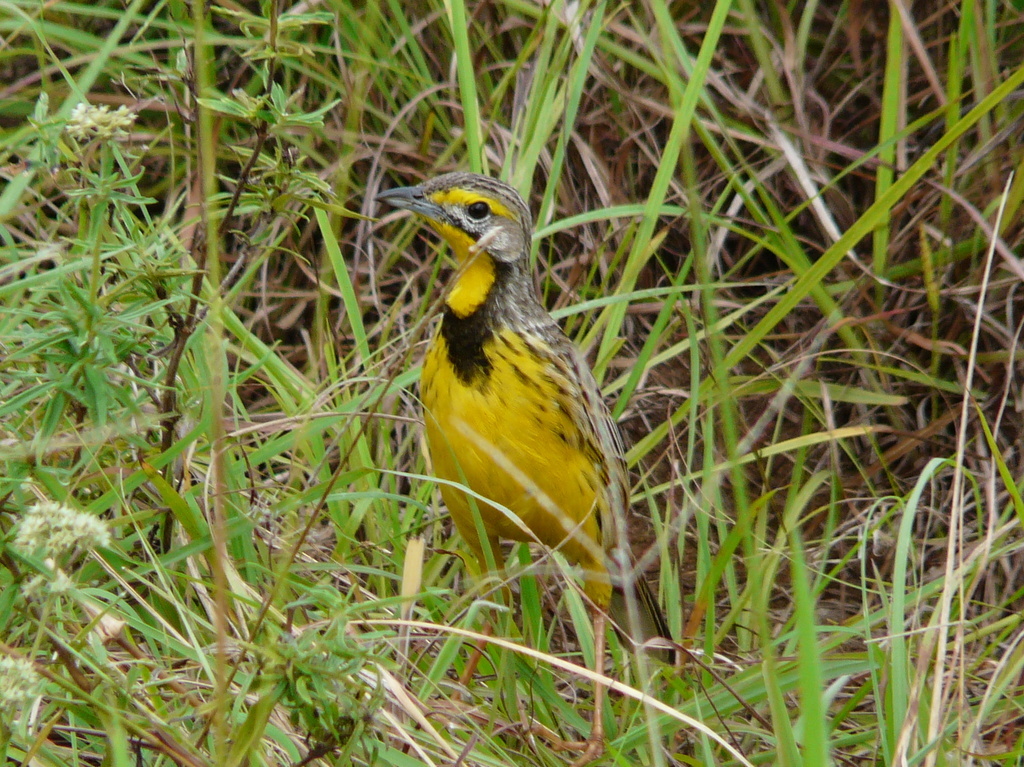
(476,274)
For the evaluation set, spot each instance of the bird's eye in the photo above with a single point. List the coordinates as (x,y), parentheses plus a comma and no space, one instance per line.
(479,211)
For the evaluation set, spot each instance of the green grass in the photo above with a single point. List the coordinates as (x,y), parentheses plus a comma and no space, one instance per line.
(787,242)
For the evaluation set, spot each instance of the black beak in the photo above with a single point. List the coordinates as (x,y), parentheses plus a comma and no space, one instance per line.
(412,198)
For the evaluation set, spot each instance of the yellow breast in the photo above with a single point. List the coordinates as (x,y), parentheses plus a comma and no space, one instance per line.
(508,435)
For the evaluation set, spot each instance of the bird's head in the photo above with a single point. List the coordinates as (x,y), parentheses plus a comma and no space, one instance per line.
(471,212)
(486,223)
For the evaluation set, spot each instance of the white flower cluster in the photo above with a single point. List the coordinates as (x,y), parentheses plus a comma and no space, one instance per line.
(58,529)
(19,684)
(88,122)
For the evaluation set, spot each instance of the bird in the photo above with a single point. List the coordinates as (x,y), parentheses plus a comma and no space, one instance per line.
(512,413)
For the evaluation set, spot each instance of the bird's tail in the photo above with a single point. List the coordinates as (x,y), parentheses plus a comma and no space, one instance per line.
(636,615)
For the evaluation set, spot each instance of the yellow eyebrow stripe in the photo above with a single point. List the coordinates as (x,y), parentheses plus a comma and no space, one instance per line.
(465,197)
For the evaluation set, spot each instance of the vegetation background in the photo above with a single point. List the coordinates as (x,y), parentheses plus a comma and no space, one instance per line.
(788,237)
